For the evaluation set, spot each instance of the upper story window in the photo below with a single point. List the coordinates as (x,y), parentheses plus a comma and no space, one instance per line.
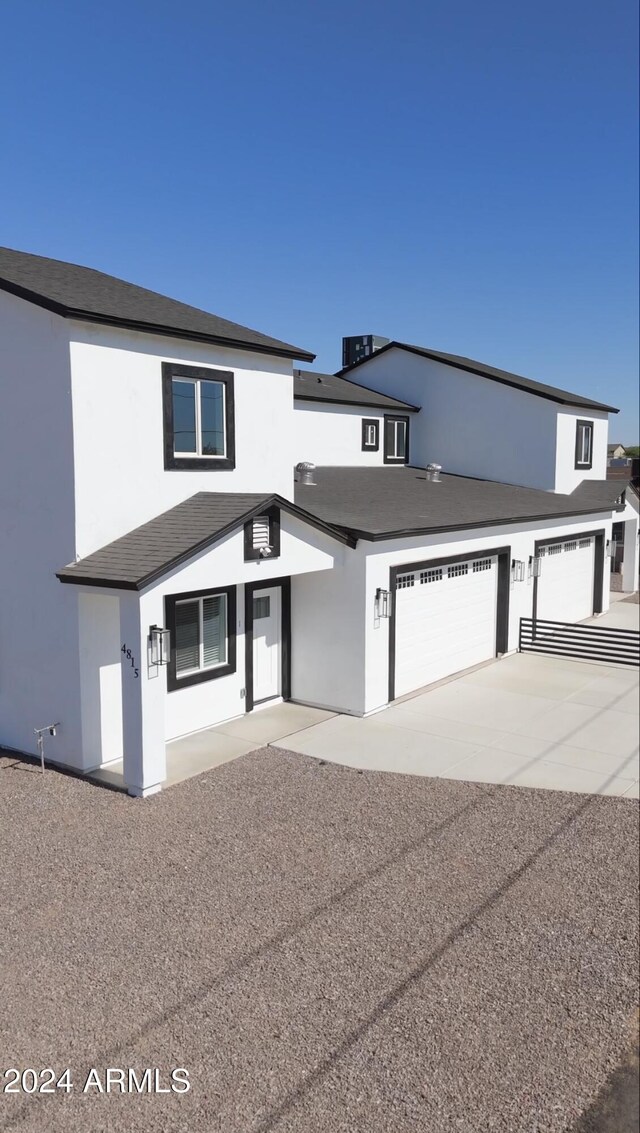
(262,536)
(584,444)
(198,417)
(396,440)
(370,434)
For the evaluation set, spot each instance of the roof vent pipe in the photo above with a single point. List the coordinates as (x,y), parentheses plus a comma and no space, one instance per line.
(433,472)
(305,470)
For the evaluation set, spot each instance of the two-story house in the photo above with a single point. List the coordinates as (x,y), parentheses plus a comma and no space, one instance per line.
(162,568)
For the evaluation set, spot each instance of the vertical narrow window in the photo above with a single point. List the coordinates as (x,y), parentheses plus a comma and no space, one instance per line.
(187,637)
(584,444)
(214,631)
(396,440)
(212,418)
(370,434)
(184,416)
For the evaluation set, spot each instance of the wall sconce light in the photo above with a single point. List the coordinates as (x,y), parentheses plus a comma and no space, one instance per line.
(160,645)
(382,603)
(535,564)
(517,570)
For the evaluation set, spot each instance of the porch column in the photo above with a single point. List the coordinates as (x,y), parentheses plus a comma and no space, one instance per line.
(630,556)
(143,698)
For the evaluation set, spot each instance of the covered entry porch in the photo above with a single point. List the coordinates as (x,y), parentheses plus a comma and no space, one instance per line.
(183,626)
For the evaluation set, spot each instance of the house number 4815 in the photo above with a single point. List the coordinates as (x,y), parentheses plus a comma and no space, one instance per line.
(128,655)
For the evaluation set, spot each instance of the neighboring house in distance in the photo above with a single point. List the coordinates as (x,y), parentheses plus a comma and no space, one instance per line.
(615,452)
(151,514)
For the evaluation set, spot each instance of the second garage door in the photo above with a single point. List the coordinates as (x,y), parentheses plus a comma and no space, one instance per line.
(445,620)
(565,583)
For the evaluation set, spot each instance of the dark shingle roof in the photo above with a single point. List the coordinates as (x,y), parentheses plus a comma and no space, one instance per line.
(145,554)
(83,293)
(310,386)
(376,503)
(527,385)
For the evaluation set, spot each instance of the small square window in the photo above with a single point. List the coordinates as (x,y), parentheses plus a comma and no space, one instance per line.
(261,607)
(370,434)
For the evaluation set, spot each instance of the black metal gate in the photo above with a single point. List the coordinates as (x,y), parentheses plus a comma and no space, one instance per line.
(582,642)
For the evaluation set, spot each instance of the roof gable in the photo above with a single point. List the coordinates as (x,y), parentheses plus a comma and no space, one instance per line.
(308,385)
(83,293)
(144,555)
(516,381)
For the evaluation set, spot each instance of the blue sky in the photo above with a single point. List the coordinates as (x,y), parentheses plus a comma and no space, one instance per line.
(455,174)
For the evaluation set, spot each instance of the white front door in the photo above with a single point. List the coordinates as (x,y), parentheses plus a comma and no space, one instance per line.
(267,666)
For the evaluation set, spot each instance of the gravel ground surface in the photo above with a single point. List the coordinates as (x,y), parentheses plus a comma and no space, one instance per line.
(325,951)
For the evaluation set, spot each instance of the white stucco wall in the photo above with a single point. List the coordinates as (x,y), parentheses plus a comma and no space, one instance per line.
(332,434)
(476,427)
(39,666)
(327,625)
(120,477)
(567,475)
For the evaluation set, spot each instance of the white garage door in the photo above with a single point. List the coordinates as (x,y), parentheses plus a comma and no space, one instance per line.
(565,583)
(445,621)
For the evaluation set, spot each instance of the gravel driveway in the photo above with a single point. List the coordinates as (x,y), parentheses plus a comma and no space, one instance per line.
(324,950)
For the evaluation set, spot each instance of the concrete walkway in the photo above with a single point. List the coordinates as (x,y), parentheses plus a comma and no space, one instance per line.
(202,751)
(528,720)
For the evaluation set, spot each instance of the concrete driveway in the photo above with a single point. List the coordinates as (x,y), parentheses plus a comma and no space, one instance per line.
(528,720)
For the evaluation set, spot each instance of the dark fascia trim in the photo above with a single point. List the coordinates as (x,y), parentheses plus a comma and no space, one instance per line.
(392,459)
(175,683)
(367,422)
(359,404)
(173,463)
(285,613)
(341,536)
(577,464)
(90,580)
(409,532)
(503,554)
(250,554)
(598,565)
(147,328)
(579,404)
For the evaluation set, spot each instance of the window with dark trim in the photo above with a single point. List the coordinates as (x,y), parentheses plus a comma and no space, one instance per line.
(202,628)
(198,415)
(396,440)
(370,434)
(262,536)
(584,444)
